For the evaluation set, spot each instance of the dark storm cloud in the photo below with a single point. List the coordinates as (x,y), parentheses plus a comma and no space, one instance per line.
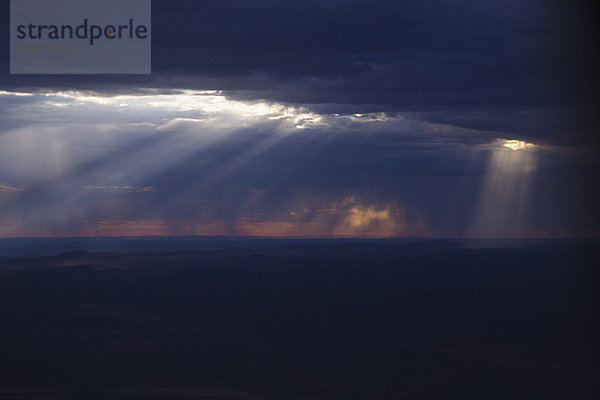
(424,55)
(390,53)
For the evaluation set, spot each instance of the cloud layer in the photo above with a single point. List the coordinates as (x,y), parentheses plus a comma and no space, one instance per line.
(197,162)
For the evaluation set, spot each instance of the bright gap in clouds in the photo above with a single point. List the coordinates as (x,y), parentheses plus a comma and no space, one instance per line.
(206,103)
(516,144)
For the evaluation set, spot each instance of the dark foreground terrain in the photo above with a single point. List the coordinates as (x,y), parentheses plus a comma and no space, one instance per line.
(420,320)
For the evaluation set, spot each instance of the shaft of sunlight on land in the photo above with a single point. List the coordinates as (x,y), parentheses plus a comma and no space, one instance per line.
(502,209)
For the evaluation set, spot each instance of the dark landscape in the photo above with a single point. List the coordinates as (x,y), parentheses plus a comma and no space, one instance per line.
(429,319)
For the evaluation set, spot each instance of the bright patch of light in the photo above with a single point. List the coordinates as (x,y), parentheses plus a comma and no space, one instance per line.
(374,117)
(517,144)
(5,93)
(186,100)
(307,120)
(195,106)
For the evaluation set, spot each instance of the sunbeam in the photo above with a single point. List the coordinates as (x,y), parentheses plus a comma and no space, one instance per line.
(504,200)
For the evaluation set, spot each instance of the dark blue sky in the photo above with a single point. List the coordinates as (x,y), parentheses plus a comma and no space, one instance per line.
(385,118)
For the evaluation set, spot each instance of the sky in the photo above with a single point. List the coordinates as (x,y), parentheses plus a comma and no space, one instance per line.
(316,118)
